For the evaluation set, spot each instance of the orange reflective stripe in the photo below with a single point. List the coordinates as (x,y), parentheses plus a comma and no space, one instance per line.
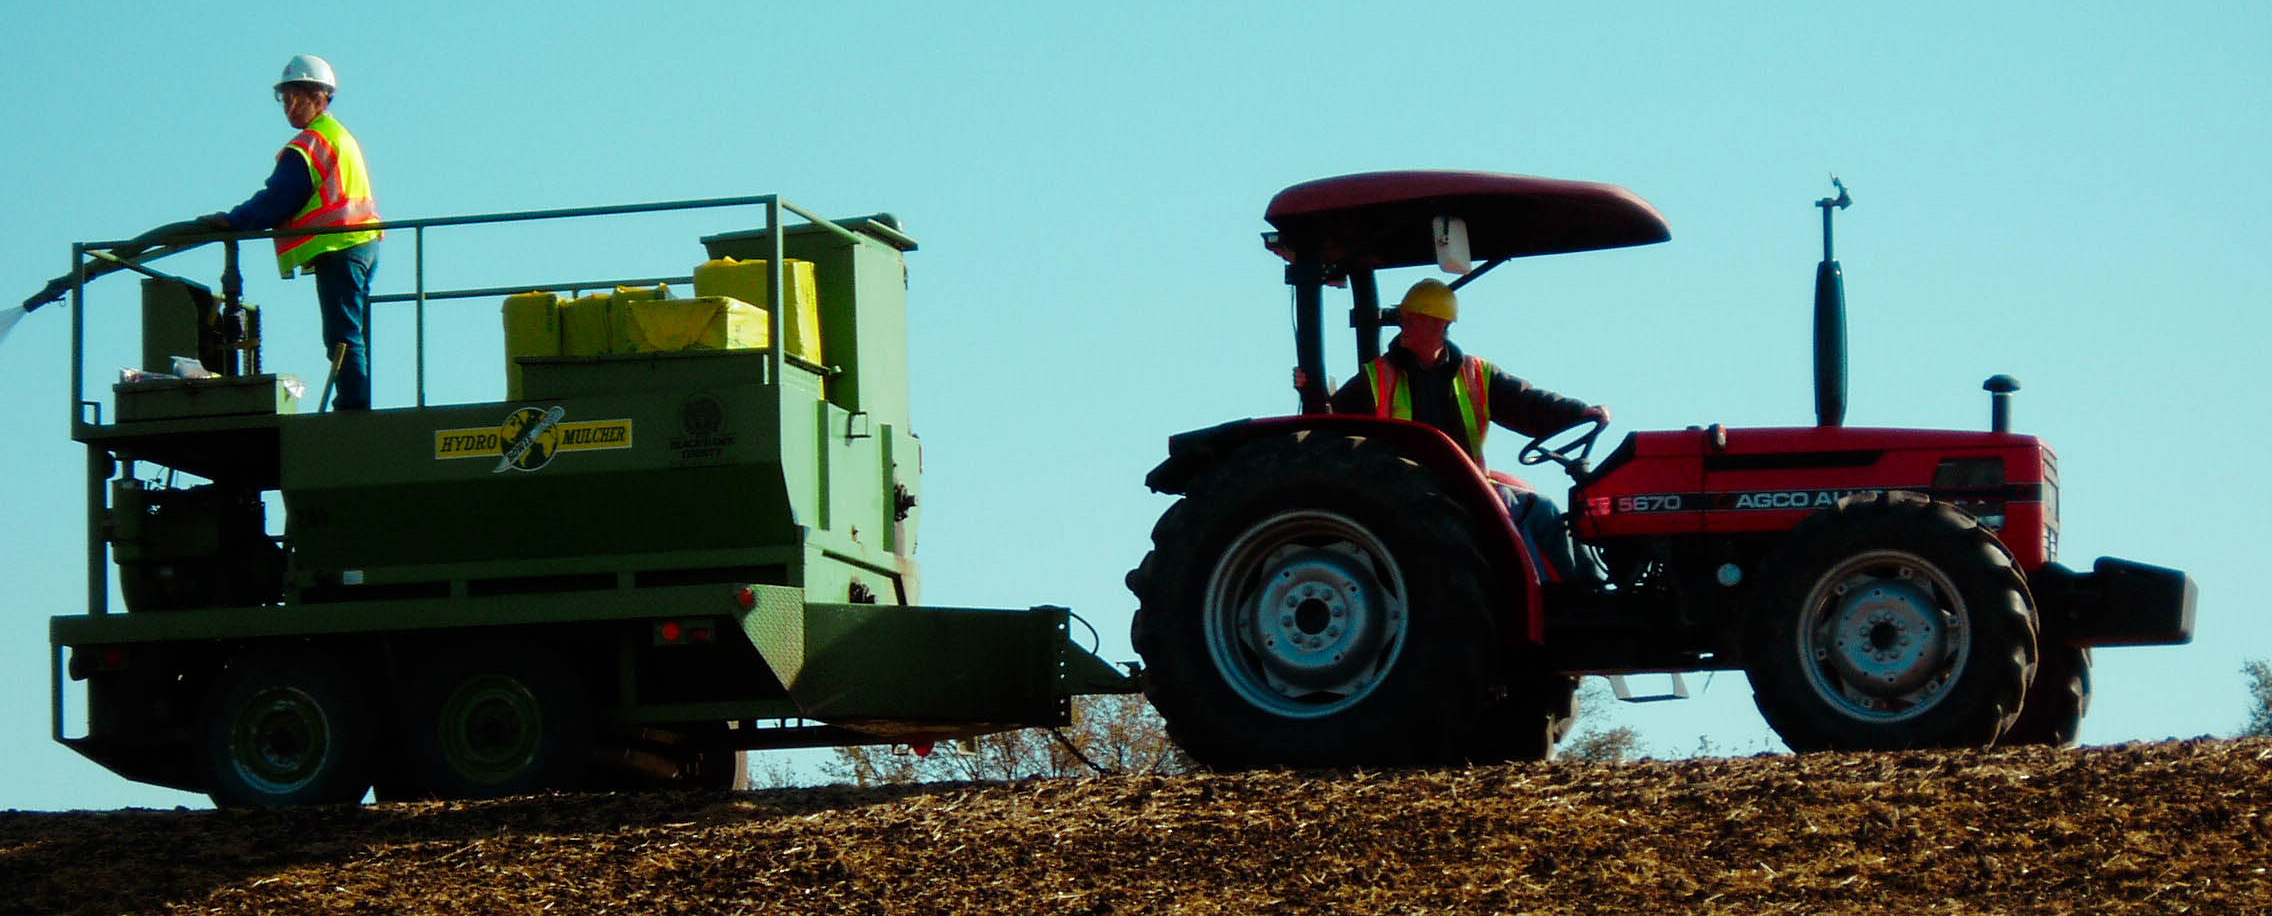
(1479,382)
(1475,401)
(1385,378)
(1392,397)
(341,213)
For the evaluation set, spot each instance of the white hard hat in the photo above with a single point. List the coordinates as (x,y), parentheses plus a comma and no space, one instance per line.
(308,68)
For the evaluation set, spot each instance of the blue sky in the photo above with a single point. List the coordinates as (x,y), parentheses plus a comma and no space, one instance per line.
(2068,193)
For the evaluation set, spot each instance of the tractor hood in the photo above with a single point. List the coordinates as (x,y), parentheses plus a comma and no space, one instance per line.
(1355,220)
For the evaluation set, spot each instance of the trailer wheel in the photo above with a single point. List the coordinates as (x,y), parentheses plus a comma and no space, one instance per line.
(1317,601)
(283,729)
(2056,700)
(1891,622)
(488,724)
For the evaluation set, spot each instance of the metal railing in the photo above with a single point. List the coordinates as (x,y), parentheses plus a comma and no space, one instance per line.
(82,252)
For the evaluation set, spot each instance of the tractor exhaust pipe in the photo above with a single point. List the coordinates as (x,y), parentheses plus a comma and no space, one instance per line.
(1830,321)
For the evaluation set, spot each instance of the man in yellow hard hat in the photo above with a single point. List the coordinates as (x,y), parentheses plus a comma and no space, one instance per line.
(320,182)
(1423,377)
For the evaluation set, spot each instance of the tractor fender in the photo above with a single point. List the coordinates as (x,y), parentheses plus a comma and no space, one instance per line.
(1524,620)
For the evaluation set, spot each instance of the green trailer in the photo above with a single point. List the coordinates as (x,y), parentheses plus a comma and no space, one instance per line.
(644,562)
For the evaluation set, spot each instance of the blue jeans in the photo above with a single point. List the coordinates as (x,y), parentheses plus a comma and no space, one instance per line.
(343,291)
(1540,522)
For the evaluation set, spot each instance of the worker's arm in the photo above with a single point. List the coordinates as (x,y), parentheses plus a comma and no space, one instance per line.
(1533,411)
(287,191)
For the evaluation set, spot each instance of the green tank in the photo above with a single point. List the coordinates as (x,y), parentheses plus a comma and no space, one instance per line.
(644,563)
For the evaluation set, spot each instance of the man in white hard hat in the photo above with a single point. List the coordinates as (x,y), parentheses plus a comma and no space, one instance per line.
(1424,378)
(320,182)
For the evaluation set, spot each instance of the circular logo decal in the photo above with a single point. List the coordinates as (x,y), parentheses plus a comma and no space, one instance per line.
(530,436)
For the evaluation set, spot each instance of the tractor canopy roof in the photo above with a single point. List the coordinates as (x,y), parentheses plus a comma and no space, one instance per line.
(1382,219)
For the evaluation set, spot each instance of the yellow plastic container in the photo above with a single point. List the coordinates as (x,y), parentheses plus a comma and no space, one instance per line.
(746,280)
(532,328)
(585,325)
(619,313)
(701,323)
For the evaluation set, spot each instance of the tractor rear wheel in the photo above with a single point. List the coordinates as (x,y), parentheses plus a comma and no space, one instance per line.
(493,723)
(2056,700)
(1891,621)
(1318,600)
(285,728)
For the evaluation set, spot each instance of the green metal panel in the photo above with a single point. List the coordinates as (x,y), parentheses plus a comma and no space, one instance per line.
(610,475)
(173,399)
(392,616)
(908,671)
(862,290)
(171,311)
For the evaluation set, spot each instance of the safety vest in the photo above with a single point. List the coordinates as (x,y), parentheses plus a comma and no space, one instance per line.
(342,195)
(1392,397)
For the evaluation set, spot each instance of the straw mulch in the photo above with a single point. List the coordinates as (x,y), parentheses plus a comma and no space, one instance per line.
(2179,827)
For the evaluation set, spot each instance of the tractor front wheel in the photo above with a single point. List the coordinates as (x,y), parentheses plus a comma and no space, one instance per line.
(2056,700)
(1891,622)
(1319,601)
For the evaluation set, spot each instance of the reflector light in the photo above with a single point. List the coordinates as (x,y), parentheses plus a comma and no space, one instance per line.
(747,597)
(921,750)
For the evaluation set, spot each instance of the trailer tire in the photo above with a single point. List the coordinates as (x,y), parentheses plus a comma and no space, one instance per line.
(1891,621)
(2056,699)
(285,728)
(1381,651)
(492,723)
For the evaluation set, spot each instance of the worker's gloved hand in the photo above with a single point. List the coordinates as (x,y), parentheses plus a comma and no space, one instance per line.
(218,222)
(1599,413)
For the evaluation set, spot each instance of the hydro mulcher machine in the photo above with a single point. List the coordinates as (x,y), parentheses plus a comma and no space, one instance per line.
(672,543)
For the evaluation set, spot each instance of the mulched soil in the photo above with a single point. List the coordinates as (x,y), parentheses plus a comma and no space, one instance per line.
(2179,827)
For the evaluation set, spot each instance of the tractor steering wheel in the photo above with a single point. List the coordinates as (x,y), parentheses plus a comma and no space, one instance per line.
(1571,455)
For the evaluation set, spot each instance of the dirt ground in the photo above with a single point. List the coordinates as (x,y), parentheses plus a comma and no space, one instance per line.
(2179,827)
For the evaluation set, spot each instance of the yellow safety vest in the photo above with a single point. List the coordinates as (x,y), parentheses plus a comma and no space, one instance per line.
(342,194)
(1392,397)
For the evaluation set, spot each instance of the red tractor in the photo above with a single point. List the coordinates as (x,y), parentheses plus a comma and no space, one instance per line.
(1336,589)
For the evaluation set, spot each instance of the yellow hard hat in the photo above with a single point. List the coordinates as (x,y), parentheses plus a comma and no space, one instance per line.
(1432,298)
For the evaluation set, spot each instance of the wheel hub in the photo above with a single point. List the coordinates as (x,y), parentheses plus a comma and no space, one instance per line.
(1887,638)
(1318,622)
(491,728)
(1305,614)
(279,739)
